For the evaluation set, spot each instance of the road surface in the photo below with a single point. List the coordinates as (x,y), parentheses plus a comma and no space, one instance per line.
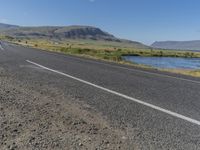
(160,110)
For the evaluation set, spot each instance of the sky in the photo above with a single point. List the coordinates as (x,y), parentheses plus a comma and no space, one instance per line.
(139,20)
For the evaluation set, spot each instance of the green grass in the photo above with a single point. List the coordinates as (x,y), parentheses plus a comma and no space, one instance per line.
(102,48)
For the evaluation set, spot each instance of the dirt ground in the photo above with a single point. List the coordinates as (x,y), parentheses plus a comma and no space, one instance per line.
(32,119)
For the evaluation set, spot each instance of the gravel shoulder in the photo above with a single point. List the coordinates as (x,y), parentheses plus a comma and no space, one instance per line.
(46,119)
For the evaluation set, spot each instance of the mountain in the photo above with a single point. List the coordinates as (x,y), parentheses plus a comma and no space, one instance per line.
(65,32)
(70,32)
(7,26)
(180,45)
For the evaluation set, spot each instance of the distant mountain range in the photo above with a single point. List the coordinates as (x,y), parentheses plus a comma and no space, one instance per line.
(7,26)
(63,33)
(178,45)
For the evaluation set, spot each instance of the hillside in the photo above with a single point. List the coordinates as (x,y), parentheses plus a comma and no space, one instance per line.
(180,45)
(71,32)
(4,27)
(65,33)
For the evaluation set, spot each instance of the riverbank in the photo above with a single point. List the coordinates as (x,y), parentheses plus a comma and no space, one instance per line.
(109,53)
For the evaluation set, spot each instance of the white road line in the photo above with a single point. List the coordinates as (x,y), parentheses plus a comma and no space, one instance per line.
(174,114)
(141,71)
(1,47)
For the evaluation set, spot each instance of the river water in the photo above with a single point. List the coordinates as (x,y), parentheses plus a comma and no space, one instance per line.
(166,62)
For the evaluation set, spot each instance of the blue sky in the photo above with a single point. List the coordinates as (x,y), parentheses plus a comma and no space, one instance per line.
(141,20)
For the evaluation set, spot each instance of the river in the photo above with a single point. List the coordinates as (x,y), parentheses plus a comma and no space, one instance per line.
(166,62)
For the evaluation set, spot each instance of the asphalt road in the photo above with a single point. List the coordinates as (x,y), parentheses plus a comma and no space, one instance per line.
(161,109)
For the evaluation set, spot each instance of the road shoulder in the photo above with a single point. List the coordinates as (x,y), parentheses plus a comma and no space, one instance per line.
(46,119)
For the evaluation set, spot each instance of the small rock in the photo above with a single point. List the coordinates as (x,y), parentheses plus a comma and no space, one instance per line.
(107,142)
(15,130)
(80,144)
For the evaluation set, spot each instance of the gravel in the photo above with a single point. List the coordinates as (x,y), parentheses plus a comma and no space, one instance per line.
(46,119)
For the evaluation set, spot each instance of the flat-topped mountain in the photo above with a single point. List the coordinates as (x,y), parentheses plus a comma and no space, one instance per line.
(65,32)
(180,45)
(71,32)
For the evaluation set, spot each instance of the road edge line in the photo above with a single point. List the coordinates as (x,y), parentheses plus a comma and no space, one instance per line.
(171,113)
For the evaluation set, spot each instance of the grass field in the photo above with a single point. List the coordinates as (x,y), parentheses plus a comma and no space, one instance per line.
(109,51)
